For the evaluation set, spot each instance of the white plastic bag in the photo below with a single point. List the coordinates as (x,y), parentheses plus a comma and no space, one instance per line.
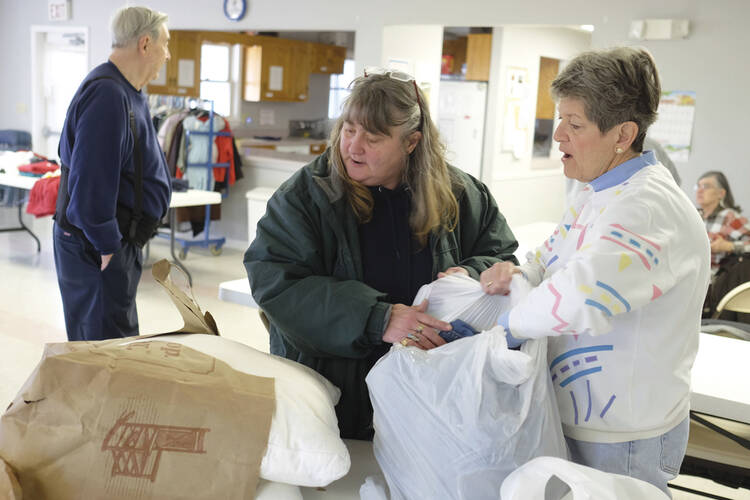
(460,297)
(454,421)
(529,482)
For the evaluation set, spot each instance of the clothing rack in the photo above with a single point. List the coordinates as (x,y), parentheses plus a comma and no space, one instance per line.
(159,102)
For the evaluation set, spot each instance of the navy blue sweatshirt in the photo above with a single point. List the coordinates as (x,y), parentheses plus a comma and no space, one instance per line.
(97,145)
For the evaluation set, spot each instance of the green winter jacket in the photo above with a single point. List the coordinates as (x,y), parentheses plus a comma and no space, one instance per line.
(305,268)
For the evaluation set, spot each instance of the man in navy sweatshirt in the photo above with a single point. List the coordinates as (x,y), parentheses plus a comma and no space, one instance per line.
(106,210)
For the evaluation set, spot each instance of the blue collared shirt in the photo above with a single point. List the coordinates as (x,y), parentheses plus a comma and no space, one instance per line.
(623,171)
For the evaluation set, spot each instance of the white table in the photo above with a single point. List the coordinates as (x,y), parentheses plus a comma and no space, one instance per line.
(237,292)
(26,183)
(189,198)
(18,181)
(721,378)
(719,444)
(193,197)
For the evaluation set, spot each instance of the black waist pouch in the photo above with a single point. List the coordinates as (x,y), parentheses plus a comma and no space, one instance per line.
(137,232)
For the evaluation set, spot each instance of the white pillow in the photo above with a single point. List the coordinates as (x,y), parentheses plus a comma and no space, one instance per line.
(304,447)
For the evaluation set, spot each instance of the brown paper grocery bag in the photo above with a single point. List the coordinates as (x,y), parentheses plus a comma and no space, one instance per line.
(137,418)
(9,487)
(195,321)
(149,419)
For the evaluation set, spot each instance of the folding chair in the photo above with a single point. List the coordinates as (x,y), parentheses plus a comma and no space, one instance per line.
(738,300)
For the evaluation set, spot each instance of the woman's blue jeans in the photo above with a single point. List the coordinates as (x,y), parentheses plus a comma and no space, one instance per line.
(655,460)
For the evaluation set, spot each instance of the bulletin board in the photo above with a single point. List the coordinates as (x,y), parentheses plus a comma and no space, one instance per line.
(516,121)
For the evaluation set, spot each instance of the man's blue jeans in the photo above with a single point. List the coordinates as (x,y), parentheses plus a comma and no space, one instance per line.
(656,460)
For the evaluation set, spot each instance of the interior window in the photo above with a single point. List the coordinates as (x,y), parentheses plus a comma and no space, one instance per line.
(340,89)
(215,77)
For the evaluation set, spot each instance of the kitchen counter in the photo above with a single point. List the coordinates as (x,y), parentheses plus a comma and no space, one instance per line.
(276,160)
(286,141)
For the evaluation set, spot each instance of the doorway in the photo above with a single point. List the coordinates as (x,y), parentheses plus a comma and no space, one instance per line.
(544,122)
(59,62)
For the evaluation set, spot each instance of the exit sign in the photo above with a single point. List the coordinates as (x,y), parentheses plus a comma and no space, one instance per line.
(59,10)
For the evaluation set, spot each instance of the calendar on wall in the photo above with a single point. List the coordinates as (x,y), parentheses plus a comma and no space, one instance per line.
(673,128)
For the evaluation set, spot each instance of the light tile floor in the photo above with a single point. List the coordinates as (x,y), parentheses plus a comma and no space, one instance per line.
(31,312)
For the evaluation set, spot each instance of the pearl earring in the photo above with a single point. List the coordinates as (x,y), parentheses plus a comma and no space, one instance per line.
(618,151)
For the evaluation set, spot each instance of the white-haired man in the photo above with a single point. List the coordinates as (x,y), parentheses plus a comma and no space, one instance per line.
(115,185)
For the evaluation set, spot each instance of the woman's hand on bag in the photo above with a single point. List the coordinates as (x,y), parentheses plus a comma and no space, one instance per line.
(412,326)
(453,270)
(496,279)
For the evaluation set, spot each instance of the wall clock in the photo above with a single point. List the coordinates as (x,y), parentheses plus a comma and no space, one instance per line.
(235,9)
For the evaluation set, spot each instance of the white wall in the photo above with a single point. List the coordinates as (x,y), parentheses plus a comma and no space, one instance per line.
(420,48)
(712,61)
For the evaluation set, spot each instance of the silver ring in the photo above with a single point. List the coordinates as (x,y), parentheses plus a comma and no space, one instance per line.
(413,337)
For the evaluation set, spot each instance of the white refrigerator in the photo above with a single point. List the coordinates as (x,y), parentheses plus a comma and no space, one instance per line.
(461,112)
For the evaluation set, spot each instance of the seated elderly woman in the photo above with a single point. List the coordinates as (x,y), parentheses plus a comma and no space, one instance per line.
(620,283)
(347,242)
(729,233)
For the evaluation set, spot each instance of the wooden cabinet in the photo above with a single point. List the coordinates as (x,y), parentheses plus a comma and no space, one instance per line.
(478,50)
(474,50)
(277,69)
(181,74)
(316,149)
(312,149)
(455,53)
(328,59)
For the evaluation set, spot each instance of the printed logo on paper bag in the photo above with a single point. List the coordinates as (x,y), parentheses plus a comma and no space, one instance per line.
(137,448)
(164,354)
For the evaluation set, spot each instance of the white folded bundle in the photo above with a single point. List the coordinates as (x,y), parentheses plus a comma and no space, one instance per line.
(304,447)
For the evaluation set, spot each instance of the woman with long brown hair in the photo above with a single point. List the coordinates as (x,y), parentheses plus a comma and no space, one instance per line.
(347,242)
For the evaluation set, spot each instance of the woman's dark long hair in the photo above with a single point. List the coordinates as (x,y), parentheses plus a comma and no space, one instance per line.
(721,180)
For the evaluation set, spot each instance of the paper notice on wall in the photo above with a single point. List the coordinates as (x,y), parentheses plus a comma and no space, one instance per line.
(267,117)
(673,128)
(186,73)
(276,78)
(161,78)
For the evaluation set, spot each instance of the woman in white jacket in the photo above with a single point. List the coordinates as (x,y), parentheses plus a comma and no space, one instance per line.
(620,283)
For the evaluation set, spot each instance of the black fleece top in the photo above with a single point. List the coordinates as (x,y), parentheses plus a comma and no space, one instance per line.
(392,260)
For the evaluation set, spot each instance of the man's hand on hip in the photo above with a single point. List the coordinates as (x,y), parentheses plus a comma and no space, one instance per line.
(105,260)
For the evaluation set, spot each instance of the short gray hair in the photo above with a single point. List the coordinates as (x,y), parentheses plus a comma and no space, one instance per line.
(131,23)
(616,86)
